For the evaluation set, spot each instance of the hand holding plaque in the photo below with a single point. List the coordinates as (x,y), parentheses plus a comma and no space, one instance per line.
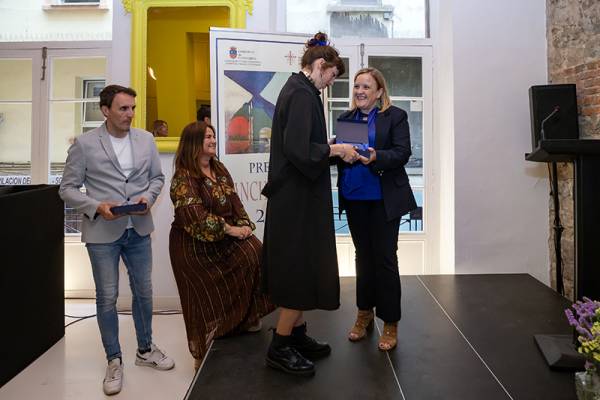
(355,133)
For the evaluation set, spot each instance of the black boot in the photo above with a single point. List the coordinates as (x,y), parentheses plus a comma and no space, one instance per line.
(281,355)
(307,346)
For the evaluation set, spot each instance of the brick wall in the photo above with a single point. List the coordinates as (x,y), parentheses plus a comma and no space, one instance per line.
(573,34)
(587,78)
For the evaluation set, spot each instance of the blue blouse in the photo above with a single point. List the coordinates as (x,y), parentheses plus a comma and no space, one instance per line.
(358,182)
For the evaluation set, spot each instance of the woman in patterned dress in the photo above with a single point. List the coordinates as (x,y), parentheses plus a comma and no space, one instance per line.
(214,255)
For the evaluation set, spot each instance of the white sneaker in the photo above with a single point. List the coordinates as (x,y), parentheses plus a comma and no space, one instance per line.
(155,358)
(113,381)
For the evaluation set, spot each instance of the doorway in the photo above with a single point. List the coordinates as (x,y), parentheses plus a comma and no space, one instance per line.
(408,72)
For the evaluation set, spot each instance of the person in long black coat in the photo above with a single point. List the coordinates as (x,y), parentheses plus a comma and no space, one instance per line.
(299,262)
(375,193)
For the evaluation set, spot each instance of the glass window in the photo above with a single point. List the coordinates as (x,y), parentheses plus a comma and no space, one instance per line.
(75,85)
(411,222)
(415,121)
(404,79)
(15,121)
(403,74)
(338,97)
(359,18)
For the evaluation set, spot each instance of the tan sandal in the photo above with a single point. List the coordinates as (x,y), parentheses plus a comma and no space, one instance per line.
(197,363)
(388,339)
(363,324)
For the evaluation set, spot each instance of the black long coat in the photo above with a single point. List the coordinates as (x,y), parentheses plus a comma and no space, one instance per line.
(299,264)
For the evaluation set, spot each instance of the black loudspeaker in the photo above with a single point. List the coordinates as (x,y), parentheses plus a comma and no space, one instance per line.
(554,111)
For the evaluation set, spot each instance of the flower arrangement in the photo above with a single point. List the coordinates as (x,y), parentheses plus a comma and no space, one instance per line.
(586,321)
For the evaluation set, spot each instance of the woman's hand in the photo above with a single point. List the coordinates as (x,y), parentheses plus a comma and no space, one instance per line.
(372,157)
(346,152)
(238,232)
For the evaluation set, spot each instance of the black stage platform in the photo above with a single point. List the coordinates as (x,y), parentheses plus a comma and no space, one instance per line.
(461,337)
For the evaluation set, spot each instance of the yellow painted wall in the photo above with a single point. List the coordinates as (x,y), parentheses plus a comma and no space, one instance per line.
(177,55)
(201,67)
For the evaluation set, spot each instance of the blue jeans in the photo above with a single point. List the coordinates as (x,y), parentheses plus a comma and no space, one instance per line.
(136,252)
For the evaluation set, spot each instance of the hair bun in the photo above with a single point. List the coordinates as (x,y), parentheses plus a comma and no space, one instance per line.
(320,39)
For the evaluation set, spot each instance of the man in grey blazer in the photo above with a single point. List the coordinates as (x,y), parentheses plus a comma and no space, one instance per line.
(118,165)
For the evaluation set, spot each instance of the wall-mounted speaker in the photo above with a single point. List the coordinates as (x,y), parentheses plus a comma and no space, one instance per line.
(553,112)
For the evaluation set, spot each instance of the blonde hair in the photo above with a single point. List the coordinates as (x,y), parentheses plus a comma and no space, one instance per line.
(384,100)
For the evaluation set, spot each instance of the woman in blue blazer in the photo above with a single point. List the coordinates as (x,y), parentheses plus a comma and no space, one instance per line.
(375,193)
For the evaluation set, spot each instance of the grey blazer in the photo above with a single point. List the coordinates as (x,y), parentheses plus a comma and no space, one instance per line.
(92,162)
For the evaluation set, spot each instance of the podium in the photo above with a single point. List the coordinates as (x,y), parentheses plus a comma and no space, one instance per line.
(559,350)
(585,155)
(32,274)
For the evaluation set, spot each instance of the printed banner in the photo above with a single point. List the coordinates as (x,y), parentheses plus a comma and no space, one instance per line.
(26,180)
(248,73)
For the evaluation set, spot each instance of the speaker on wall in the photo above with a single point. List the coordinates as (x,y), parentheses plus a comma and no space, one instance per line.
(554,110)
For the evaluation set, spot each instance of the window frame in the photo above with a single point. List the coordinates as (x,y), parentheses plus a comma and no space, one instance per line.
(90,99)
(11,52)
(50,5)
(41,95)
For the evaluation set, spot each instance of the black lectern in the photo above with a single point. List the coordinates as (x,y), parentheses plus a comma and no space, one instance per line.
(559,350)
(31,274)
(585,154)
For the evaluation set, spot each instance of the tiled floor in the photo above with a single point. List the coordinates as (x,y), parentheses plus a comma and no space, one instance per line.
(73,369)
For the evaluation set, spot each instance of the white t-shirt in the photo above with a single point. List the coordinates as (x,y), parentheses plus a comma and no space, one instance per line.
(124,153)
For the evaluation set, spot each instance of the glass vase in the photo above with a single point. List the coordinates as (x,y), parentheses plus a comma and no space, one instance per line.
(587,385)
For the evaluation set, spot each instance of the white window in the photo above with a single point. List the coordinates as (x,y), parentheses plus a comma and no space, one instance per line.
(91,116)
(408,72)
(40,118)
(397,19)
(75,4)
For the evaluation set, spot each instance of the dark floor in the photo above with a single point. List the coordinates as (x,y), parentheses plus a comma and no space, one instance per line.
(461,337)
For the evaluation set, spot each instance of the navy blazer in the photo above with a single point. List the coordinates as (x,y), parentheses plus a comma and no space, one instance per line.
(392,144)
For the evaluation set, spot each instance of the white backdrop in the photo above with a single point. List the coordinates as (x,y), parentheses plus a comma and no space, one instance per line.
(247,74)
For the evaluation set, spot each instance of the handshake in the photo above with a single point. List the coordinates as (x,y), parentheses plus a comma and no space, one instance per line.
(348,153)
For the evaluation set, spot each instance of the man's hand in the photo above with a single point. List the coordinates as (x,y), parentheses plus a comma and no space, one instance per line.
(142,200)
(372,157)
(104,210)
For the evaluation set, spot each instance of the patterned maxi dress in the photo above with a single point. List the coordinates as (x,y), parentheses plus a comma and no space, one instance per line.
(218,276)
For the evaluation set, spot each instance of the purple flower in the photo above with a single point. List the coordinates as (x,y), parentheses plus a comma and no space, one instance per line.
(571,317)
(583,318)
(584,332)
(585,322)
